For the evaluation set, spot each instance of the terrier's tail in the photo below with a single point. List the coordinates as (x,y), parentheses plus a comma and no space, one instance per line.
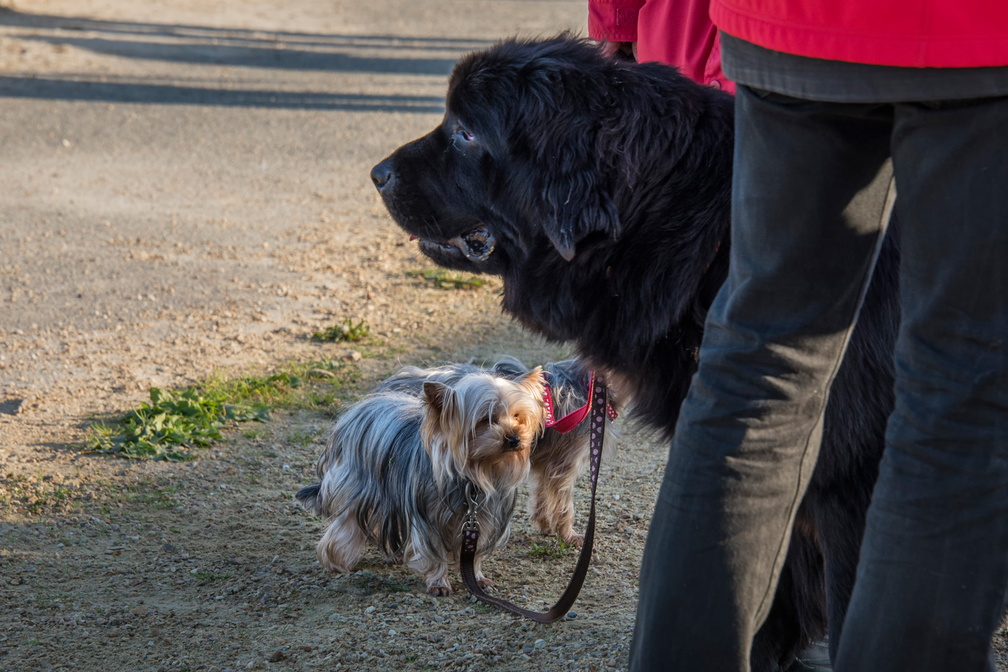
(309,498)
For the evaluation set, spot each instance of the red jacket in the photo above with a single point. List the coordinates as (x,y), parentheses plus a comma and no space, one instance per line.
(908,33)
(676,32)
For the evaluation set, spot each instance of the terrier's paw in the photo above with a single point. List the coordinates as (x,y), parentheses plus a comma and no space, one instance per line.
(439,588)
(572,539)
(439,591)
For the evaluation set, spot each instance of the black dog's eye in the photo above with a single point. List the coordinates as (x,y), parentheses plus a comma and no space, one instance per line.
(461,136)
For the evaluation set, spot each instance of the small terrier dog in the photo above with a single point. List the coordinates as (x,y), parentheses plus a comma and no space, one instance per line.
(558,458)
(397,466)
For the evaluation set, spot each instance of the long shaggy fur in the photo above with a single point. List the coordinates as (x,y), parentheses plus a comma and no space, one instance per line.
(558,459)
(600,192)
(396,467)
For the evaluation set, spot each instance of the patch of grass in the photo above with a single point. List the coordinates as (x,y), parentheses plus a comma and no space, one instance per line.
(302,438)
(364,582)
(52,600)
(34,496)
(442,279)
(176,423)
(209,575)
(555,549)
(151,494)
(484,608)
(347,330)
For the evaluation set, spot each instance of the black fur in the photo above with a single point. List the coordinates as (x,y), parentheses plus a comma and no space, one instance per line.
(603,190)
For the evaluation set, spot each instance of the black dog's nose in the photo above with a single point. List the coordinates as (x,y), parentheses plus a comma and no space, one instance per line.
(382,174)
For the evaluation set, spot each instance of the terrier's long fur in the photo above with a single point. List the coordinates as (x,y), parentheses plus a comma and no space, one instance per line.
(396,467)
(557,458)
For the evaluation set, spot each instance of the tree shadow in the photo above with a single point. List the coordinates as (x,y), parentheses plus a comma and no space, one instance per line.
(193,45)
(127,91)
(15,18)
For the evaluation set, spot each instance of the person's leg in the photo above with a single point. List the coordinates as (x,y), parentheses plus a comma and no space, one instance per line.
(807,176)
(931,581)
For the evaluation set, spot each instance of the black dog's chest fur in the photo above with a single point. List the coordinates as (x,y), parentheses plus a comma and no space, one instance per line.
(609,205)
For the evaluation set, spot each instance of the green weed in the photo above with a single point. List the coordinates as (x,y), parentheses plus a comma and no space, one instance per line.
(172,424)
(442,279)
(175,423)
(557,549)
(347,330)
(209,576)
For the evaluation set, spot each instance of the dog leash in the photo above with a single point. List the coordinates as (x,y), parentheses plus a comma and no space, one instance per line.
(598,405)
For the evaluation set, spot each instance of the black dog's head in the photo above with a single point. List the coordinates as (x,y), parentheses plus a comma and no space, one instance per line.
(598,189)
(515,162)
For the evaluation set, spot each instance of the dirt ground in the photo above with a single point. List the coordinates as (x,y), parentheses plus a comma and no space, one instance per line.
(184,190)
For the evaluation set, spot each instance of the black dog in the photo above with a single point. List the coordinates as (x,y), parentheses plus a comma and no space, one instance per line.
(600,192)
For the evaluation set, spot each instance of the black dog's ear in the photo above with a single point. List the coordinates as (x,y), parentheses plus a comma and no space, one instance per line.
(571,192)
(575,205)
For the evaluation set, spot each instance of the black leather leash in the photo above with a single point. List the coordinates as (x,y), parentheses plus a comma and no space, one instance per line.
(470,529)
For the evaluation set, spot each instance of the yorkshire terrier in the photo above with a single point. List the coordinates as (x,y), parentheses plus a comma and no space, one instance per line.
(558,459)
(400,468)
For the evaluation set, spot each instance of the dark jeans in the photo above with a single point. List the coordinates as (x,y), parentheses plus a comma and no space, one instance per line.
(809,193)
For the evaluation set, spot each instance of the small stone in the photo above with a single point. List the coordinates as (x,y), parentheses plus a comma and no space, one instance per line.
(12,406)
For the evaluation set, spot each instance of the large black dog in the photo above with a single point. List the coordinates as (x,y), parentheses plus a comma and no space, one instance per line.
(600,192)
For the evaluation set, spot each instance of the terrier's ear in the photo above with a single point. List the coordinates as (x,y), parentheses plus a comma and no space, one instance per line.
(534,383)
(440,434)
(438,396)
(443,412)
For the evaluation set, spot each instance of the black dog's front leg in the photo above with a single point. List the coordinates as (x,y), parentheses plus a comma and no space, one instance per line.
(799,601)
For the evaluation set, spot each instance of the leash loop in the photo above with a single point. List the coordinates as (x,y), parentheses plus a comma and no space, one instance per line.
(471,524)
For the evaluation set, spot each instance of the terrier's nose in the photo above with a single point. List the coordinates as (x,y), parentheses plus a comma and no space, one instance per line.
(513,442)
(382,175)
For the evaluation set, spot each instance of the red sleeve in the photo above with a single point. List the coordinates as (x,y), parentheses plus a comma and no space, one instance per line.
(681,33)
(613,20)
